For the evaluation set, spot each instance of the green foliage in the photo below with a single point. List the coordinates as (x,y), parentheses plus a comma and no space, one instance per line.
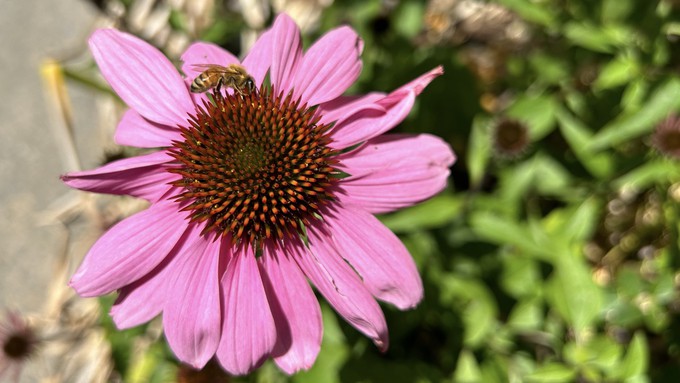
(560,264)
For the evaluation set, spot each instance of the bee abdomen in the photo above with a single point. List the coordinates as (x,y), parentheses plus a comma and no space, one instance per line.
(198,85)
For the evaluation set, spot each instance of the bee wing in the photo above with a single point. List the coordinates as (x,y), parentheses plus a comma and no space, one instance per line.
(231,69)
(208,66)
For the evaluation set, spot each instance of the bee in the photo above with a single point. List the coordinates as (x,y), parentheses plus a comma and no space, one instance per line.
(215,76)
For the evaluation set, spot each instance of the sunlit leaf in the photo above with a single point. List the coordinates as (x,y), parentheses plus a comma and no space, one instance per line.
(526,315)
(334,352)
(589,36)
(467,369)
(663,101)
(537,111)
(634,95)
(573,293)
(479,149)
(408,18)
(552,373)
(617,10)
(617,72)
(549,68)
(579,137)
(480,311)
(503,231)
(574,224)
(432,213)
(635,363)
(647,174)
(531,11)
(520,276)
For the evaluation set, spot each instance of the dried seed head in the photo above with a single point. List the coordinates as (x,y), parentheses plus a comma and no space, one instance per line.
(18,341)
(510,138)
(666,137)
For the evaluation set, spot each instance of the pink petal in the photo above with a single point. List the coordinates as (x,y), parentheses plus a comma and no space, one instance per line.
(417,85)
(204,53)
(346,107)
(395,170)
(142,76)
(382,261)
(142,300)
(192,317)
(129,250)
(330,66)
(296,313)
(142,176)
(342,287)
(135,130)
(286,53)
(259,59)
(367,124)
(248,332)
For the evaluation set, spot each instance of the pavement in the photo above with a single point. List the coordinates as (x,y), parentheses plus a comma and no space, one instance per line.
(31,159)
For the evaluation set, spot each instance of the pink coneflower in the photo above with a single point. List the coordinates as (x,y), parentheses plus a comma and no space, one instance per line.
(253,194)
(18,342)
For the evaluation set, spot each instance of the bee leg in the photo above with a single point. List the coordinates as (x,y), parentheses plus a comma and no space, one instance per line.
(218,87)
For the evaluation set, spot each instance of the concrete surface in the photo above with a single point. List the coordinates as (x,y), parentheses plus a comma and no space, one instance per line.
(30,163)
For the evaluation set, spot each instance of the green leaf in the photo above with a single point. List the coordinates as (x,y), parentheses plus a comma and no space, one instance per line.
(479,149)
(634,95)
(503,231)
(537,112)
(520,276)
(480,320)
(435,212)
(177,20)
(550,177)
(658,171)
(479,314)
(526,315)
(664,288)
(540,174)
(624,313)
(629,283)
(636,361)
(578,137)
(408,19)
(573,293)
(602,352)
(467,369)
(532,11)
(589,36)
(552,373)
(664,100)
(334,352)
(616,73)
(575,224)
(616,10)
(550,69)
(149,366)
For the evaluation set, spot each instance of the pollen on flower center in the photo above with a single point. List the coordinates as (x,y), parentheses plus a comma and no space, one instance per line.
(254,166)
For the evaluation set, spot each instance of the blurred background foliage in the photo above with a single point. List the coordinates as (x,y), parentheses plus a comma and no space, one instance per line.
(553,256)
